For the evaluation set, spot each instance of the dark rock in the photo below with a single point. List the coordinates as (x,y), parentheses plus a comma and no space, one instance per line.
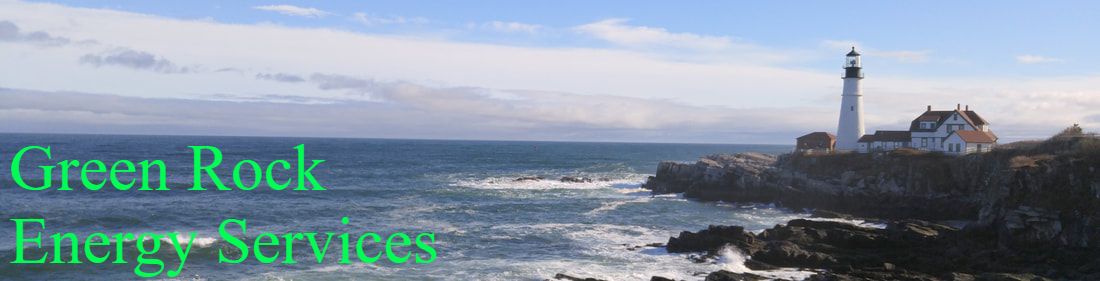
(856,184)
(724,275)
(1054,199)
(711,240)
(529,178)
(1010,277)
(826,214)
(650,245)
(787,253)
(914,230)
(868,275)
(659,278)
(1034,211)
(956,276)
(563,276)
(572,179)
(699,258)
(905,250)
(758,265)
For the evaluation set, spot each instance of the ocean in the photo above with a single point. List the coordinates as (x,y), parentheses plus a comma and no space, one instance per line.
(487,225)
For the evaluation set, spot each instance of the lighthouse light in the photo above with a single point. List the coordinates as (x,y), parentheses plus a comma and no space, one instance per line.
(852,61)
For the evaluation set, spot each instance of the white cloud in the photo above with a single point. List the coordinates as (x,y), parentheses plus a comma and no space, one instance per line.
(280,77)
(502,26)
(410,110)
(1033,59)
(369,20)
(292,10)
(133,59)
(10,32)
(618,32)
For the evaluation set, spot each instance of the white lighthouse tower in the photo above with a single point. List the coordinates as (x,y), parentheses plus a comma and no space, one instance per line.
(850,127)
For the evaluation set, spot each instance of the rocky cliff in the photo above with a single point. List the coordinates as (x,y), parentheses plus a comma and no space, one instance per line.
(904,250)
(1039,193)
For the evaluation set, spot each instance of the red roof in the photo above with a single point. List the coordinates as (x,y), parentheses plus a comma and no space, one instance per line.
(976,136)
(819,136)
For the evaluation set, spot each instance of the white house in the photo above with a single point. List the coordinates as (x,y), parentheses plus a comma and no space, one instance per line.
(958,131)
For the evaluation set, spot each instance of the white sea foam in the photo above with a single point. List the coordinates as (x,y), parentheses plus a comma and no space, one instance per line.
(628,181)
(183,238)
(636,191)
(605,253)
(731,259)
(856,222)
(612,205)
(204,242)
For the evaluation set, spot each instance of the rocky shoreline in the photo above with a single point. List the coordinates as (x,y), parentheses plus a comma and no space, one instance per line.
(1032,212)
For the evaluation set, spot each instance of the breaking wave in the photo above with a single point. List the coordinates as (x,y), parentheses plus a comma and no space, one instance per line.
(630,182)
(731,259)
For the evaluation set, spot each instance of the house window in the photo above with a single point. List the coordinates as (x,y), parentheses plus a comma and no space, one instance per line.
(852,108)
(923,142)
(955,117)
(979,147)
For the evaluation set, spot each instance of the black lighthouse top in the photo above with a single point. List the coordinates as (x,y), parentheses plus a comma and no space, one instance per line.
(852,65)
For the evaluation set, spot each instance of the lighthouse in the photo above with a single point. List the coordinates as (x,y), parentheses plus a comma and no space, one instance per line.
(850,127)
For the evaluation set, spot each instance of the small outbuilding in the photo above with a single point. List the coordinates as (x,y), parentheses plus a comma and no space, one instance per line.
(816,142)
(967,141)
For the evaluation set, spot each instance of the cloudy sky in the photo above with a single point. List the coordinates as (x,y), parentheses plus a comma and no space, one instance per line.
(720,72)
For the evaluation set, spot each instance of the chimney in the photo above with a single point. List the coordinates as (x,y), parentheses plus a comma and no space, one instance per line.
(930,107)
(958,106)
(968,107)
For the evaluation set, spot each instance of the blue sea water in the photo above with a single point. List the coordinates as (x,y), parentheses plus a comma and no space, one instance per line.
(487,226)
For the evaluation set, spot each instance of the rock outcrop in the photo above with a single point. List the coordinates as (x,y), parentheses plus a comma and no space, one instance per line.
(886,186)
(1033,195)
(1034,208)
(904,250)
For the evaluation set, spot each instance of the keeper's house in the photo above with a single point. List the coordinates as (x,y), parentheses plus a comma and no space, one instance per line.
(959,131)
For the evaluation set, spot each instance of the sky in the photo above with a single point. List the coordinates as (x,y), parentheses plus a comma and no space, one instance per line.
(634,71)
